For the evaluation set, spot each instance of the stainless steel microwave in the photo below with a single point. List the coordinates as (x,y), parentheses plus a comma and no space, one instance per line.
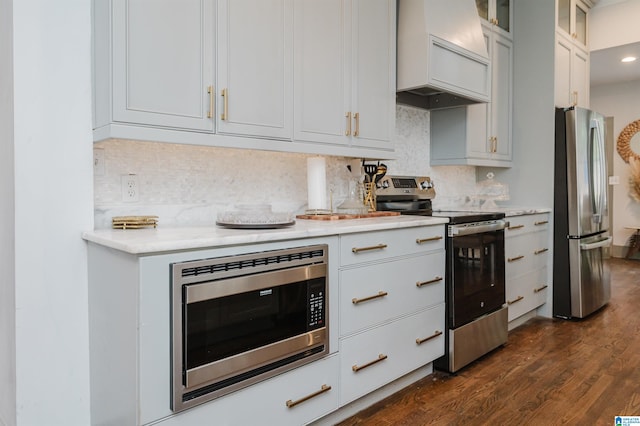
(240,319)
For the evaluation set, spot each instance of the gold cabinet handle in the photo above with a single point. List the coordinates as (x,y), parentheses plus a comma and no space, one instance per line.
(435,280)
(511,228)
(361,249)
(323,389)
(357,368)
(511,302)
(356,117)
(540,251)
(539,289)
(210,92)
(380,294)
(225,103)
(426,339)
(426,240)
(348,116)
(513,259)
(575,98)
(542,222)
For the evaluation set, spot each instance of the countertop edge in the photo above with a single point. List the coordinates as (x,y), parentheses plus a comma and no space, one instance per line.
(161,240)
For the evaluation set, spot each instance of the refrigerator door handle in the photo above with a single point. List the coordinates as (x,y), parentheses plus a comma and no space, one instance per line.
(602,243)
(597,171)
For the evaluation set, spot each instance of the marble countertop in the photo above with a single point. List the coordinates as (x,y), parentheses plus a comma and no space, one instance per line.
(158,240)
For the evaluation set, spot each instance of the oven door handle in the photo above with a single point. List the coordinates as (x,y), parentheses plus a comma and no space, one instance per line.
(476,228)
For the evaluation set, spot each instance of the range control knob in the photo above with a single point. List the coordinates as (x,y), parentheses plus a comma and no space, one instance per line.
(383,184)
(426,184)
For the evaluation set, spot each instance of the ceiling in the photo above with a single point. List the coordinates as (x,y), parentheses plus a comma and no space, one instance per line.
(606,67)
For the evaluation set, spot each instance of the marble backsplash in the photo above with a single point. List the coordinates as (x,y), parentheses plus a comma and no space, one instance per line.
(188,185)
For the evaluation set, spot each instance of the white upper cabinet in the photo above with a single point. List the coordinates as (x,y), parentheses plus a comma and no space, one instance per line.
(224,73)
(162,70)
(572,20)
(255,67)
(572,54)
(485,136)
(496,12)
(345,72)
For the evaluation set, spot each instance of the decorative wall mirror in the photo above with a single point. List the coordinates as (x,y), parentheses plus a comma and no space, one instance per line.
(629,141)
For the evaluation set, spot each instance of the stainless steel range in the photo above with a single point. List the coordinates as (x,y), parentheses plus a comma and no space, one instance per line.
(476,311)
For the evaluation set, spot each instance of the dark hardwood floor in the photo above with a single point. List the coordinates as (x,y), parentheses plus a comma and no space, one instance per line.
(550,372)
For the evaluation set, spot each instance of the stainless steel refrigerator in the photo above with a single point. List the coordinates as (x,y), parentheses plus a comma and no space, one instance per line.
(581,281)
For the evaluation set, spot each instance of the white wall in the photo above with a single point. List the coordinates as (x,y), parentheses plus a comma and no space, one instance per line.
(614,23)
(7,219)
(620,101)
(53,205)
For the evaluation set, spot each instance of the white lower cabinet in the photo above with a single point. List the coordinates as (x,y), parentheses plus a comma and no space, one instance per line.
(372,340)
(527,249)
(391,306)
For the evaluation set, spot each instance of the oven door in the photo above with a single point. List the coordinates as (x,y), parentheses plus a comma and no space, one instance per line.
(475,262)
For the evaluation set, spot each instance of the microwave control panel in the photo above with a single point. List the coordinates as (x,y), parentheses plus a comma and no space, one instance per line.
(316,297)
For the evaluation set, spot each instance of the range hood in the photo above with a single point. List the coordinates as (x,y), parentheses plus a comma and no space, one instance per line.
(442,54)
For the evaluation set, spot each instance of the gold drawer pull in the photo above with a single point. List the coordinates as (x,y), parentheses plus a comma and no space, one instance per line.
(381,357)
(323,389)
(210,92)
(433,336)
(539,289)
(511,302)
(356,117)
(513,259)
(540,251)
(542,222)
(426,240)
(225,103)
(348,131)
(355,300)
(435,280)
(360,249)
(511,228)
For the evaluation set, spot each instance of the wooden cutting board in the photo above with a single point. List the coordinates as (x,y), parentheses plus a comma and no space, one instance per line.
(337,216)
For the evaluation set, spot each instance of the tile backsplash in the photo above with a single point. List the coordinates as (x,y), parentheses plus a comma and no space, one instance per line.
(188,185)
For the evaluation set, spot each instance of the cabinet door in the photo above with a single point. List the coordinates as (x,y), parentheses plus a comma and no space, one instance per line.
(163,62)
(501,97)
(563,90)
(322,74)
(373,69)
(580,77)
(255,68)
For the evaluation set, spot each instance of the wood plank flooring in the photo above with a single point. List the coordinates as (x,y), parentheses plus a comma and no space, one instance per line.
(550,372)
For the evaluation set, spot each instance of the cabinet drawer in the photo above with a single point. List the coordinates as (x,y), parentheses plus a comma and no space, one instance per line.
(372,246)
(293,398)
(374,358)
(526,223)
(527,292)
(524,253)
(374,294)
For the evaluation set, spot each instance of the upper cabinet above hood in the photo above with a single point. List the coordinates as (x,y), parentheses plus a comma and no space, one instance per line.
(442,54)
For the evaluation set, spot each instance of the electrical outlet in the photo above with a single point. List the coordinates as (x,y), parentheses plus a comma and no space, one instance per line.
(98,161)
(130,188)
